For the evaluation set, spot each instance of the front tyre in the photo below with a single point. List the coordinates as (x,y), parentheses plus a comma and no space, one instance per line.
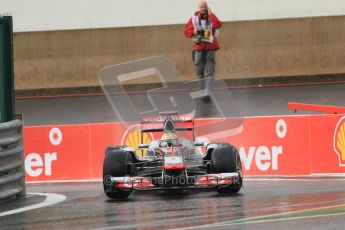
(226,159)
(117,163)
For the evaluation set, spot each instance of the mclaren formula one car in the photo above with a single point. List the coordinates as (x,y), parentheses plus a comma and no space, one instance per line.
(172,162)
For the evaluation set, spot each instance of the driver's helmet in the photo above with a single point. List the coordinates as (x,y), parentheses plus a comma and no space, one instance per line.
(169,138)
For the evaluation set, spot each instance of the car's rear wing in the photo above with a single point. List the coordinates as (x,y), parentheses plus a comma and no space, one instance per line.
(183,122)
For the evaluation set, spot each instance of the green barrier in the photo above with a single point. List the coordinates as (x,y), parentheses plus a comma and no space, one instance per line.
(6,70)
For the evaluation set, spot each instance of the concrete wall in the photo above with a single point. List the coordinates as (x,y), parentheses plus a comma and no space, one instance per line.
(262,48)
(52,15)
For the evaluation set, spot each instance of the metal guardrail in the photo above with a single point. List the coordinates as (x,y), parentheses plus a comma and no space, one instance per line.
(12,177)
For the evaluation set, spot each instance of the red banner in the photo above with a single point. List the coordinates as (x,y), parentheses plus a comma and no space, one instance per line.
(274,146)
(287,145)
(57,152)
(327,144)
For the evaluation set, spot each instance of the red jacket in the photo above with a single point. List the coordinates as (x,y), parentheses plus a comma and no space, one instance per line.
(189,33)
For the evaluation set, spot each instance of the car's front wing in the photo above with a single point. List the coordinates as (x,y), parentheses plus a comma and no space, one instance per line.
(200,182)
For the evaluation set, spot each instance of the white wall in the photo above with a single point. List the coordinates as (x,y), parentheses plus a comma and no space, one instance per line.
(43,15)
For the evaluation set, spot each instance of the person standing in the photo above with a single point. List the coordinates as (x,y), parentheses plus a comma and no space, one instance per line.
(204,27)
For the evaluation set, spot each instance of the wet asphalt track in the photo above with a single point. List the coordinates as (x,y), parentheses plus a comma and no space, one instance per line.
(262,204)
(259,101)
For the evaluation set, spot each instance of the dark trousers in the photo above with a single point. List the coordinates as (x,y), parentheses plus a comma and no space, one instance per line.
(205,67)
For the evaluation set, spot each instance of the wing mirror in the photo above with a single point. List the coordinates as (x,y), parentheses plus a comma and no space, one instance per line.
(199,143)
(143,146)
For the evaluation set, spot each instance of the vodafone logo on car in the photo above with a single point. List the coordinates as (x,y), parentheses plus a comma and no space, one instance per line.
(264,157)
(36,165)
(162,118)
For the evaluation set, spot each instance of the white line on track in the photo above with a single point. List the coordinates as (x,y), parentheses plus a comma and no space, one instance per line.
(248,220)
(254,219)
(51,198)
(217,225)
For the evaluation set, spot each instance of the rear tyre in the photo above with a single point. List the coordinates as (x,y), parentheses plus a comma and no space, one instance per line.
(226,159)
(116,164)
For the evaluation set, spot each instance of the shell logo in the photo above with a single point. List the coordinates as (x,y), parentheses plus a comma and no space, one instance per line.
(339,141)
(133,137)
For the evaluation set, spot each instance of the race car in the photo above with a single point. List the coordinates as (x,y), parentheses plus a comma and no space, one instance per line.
(172,162)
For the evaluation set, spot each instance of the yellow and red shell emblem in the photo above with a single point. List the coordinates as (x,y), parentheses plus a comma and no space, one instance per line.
(133,137)
(339,141)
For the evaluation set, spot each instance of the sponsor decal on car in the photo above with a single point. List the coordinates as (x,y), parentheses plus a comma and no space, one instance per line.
(162,118)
